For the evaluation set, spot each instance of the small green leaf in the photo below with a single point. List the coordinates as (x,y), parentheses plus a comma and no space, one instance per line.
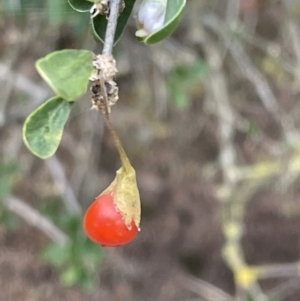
(9,169)
(70,276)
(67,72)
(56,254)
(43,128)
(173,15)
(9,219)
(182,79)
(80,5)
(93,254)
(87,281)
(72,225)
(8,172)
(5,188)
(99,23)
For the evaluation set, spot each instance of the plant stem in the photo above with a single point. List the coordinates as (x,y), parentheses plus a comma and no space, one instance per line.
(107,50)
(111,27)
(125,162)
(58,173)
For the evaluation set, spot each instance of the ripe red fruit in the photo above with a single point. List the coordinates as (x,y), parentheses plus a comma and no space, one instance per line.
(114,217)
(104,224)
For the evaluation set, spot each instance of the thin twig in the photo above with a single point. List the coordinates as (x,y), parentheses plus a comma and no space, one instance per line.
(261,85)
(36,92)
(28,36)
(58,174)
(36,219)
(206,290)
(84,156)
(25,84)
(217,87)
(232,12)
(265,169)
(293,28)
(125,162)
(111,27)
(280,270)
(234,206)
(284,290)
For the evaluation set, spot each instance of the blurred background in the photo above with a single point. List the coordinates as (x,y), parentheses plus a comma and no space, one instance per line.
(209,119)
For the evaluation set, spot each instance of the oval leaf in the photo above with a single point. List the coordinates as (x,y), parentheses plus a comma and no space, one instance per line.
(80,5)
(99,23)
(43,128)
(67,72)
(173,15)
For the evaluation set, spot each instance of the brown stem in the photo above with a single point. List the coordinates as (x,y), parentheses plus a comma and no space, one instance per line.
(107,50)
(124,160)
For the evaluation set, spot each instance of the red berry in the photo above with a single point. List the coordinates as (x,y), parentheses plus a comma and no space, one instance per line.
(104,224)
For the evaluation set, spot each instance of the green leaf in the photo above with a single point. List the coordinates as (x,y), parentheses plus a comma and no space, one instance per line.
(182,79)
(9,219)
(87,281)
(72,225)
(67,72)
(53,208)
(99,23)
(80,5)
(56,254)
(43,128)
(8,171)
(91,254)
(70,276)
(5,188)
(173,15)
(252,128)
